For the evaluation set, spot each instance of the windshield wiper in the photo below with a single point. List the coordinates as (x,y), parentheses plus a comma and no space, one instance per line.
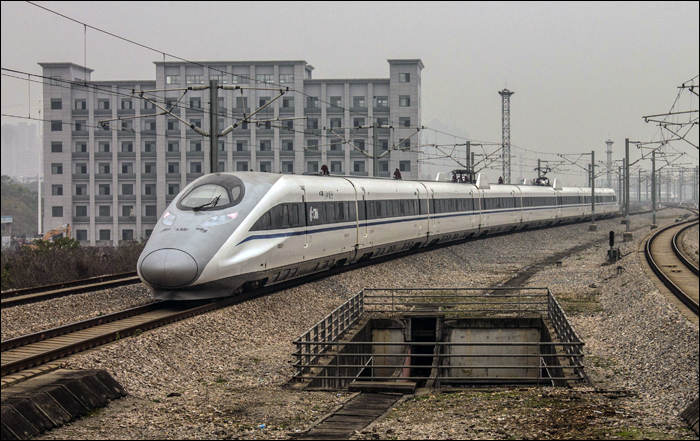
(213,203)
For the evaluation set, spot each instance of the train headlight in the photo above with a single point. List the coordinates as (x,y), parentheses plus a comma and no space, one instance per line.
(168,218)
(219,219)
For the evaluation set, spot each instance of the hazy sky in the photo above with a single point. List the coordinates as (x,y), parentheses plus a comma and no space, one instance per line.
(581,72)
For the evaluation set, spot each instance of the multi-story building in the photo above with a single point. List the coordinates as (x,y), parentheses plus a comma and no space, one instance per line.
(111,179)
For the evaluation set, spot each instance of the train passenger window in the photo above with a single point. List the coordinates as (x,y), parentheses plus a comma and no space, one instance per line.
(294,215)
(381,212)
(330,212)
(285,216)
(341,212)
(266,221)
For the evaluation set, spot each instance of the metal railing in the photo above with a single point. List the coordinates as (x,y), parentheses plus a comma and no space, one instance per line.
(327,358)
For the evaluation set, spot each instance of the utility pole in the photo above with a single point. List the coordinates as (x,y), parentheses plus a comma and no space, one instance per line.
(469,164)
(609,164)
(214,125)
(639,186)
(653,190)
(505,119)
(375,150)
(592,226)
(619,188)
(627,236)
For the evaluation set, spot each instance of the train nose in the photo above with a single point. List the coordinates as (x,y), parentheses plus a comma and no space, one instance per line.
(169,267)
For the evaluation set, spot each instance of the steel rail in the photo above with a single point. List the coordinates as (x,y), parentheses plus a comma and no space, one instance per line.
(673,287)
(678,251)
(46,292)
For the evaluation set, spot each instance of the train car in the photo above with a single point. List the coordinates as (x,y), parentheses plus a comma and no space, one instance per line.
(228,232)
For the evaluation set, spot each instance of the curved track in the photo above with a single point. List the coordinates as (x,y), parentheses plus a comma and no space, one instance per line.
(46,292)
(662,254)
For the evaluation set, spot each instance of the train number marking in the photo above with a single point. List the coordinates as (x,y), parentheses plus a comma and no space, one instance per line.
(313,213)
(326,194)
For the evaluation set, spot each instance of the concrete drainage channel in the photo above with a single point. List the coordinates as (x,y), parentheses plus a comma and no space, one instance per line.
(392,341)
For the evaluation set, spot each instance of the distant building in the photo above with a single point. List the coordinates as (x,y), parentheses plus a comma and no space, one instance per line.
(112,185)
(21,147)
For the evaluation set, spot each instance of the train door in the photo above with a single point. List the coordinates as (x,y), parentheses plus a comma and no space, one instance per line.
(421,229)
(479,207)
(305,221)
(432,221)
(362,228)
(514,218)
(473,205)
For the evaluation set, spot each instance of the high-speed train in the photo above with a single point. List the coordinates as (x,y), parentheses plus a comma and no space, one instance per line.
(228,232)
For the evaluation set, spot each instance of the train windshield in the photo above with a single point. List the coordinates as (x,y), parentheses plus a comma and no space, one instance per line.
(215,192)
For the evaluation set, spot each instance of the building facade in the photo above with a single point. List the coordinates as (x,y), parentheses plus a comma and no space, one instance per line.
(114,160)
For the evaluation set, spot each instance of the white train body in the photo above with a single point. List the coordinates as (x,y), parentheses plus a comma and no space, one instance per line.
(277,227)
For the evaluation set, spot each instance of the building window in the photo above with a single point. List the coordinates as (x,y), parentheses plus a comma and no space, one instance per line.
(173,167)
(103,104)
(195,103)
(80,125)
(173,146)
(404,78)
(127,104)
(127,147)
(127,189)
(404,101)
(56,168)
(151,125)
(80,104)
(312,102)
(81,147)
(360,144)
(336,145)
(264,78)
(384,166)
(220,78)
(312,123)
(405,122)
(104,168)
(265,145)
(151,210)
(241,146)
(222,166)
(56,146)
(149,189)
(358,122)
(56,211)
(104,211)
(127,167)
(194,79)
(266,166)
(358,101)
(56,125)
(222,146)
(288,102)
(172,79)
(104,190)
(81,210)
(312,144)
(149,167)
(312,166)
(81,235)
(103,147)
(197,122)
(57,190)
(81,190)
(358,166)
(382,122)
(406,144)
(127,210)
(148,105)
(127,234)
(286,78)
(405,166)
(241,166)
(195,167)
(263,100)
(335,101)
(239,79)
(56,104)
(173,189)
(336,123)
(195,146)
(336,167)
(287,144)
(149,146)
(127,125)
(105,234)
(81,168)
(241,102)
(382,101)
(384,144)
(287,167)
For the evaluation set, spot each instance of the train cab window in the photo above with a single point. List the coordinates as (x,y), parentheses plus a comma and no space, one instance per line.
(214,192)
(205,194)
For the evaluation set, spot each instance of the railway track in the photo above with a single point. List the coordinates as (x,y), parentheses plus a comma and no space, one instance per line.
(669,264)
(46,292)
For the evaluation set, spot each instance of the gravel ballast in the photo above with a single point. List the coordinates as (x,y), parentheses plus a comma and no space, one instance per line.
(224,374)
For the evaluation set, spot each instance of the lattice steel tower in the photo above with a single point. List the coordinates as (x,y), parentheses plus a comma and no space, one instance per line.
(505,115)
(609,164)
